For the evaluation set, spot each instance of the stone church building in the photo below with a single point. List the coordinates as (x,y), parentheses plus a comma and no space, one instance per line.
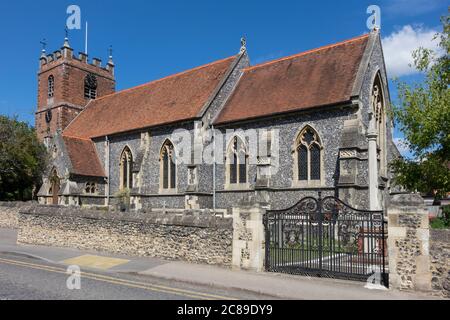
(323,113)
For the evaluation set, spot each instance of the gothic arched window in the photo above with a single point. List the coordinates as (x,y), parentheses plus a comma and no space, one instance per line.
(126,169)
(51,86)
(379,113)
(90,86)
(308,156)
(168,166)
(90,188)
(236,162)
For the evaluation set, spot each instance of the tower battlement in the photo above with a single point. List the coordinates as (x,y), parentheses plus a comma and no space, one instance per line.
(66,54)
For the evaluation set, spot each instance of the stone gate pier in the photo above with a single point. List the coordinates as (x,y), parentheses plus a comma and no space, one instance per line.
(418,258)
(248,236)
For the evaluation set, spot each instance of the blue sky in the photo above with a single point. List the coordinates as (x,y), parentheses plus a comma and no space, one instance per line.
(152,39)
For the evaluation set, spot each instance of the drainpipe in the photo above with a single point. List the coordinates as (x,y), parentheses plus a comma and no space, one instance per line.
(107,170)
(214,169)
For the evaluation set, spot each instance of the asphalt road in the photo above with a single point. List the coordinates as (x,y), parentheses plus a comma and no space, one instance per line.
(23,278)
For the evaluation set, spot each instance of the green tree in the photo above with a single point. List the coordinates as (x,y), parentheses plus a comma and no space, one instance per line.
(23,160)
(424,117)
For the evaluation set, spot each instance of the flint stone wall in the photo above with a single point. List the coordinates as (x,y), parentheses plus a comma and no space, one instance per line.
(440,261)
(408,243)
(9,212)
(188,236)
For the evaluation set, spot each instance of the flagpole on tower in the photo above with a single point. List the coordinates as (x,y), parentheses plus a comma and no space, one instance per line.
(86,40)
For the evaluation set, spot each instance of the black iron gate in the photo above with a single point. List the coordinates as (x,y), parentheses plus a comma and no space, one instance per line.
(327,238)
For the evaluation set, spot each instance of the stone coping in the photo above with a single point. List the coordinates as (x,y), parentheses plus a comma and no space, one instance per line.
(186,219)
(407,200)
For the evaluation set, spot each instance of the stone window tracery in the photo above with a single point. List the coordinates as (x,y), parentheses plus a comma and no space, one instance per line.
(379,115)
(90,188)
(168,166)
(308,157)
(237,162)
(126,172)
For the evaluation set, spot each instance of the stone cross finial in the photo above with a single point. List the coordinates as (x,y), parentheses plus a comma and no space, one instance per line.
(110,52)
(375,26)
(243,44)
(66,38)
(44,44)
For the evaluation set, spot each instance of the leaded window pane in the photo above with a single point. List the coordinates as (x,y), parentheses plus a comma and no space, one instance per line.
(242,169)
(172,173)
(233,169)
(165,170)
(124,172)
(315,162)
(302,163)
(130,174)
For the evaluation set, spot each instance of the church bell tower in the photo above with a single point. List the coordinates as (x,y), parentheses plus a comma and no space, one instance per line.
(66,84)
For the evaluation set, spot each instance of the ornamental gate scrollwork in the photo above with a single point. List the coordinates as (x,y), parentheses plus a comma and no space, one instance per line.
(328,238)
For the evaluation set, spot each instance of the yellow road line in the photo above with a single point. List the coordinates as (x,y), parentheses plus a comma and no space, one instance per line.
(129,283)
(149,288)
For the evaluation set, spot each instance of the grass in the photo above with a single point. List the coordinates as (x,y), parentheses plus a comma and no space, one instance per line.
(443,222)
(299,253)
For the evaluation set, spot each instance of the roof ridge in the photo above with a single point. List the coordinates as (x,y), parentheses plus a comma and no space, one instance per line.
(307,52)
(165,78)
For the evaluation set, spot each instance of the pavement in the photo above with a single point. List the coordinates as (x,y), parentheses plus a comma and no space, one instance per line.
(277,286)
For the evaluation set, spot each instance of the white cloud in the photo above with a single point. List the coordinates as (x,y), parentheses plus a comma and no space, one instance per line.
(399,45)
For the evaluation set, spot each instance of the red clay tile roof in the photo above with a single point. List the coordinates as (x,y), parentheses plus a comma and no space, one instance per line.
(171,99)
(84,157)
(318,77)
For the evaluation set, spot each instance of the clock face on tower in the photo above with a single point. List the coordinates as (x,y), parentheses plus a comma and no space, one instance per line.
(48,116)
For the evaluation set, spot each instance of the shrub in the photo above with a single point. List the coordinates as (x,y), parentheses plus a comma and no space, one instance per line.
(441,222)
(123,197)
